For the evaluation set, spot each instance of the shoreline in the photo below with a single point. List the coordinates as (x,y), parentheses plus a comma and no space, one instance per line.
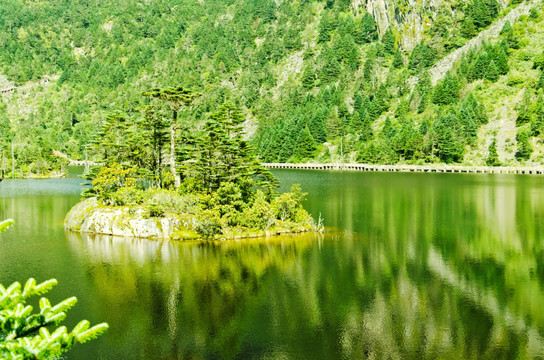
(51,175)
(427,168)
(439,168)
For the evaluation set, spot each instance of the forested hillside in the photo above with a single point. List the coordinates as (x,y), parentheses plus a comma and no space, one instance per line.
(332,80)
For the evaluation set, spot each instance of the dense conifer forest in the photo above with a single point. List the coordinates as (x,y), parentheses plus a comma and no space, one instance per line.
(326,81)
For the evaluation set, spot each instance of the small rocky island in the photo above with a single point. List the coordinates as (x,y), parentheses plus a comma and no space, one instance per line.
(160,217)
(214,188)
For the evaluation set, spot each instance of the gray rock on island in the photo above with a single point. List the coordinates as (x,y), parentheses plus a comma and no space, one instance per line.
(89,216)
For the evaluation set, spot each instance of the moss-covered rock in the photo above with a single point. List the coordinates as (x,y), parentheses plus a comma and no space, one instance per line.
(77,215)
(89,216)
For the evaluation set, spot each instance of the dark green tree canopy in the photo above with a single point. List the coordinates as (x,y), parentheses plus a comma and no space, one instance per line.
(369,29)
(492,156)
(388,40)
(398,61)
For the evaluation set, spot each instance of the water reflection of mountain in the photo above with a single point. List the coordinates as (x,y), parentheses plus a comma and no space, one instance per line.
(453,264)
(403,292)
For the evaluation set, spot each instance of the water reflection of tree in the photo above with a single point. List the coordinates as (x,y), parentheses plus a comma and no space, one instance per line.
(190,294)
(435,273)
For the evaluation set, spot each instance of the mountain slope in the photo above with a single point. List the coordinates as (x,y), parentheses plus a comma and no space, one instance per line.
(317,80)
(439,70)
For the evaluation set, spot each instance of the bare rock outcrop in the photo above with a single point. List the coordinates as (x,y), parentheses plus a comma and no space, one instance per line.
(410,18)
(89,216)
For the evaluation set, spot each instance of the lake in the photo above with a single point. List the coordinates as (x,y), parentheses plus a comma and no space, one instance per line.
(411,266)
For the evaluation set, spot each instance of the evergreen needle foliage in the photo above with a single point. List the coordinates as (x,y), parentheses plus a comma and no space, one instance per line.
(492,156)
(25,335)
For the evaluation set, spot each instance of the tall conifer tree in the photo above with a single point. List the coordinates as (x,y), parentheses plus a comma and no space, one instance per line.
(491,73)
(177,98)
(369,28)
(524,147)
(398,62)
(492,155)
(388,41)
(306,144)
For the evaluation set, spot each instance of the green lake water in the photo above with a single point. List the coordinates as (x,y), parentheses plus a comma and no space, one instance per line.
(412,266)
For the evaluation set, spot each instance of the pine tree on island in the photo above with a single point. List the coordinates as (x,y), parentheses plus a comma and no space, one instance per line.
(177,98)
(224,187)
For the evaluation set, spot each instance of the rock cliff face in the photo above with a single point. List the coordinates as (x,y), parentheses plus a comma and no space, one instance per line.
(409,18)
(90,217)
